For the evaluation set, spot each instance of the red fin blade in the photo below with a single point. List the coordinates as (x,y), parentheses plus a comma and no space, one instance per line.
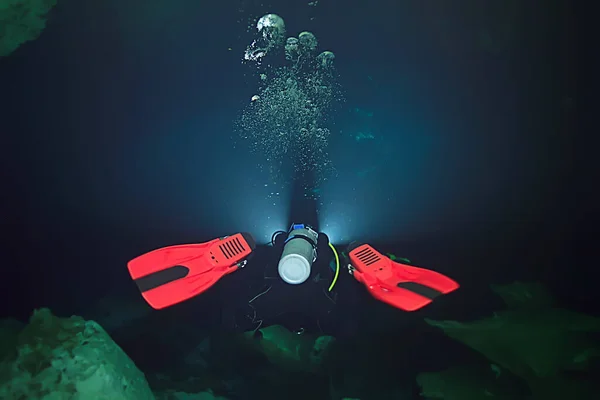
(174,274)
(164,258)
(402,286)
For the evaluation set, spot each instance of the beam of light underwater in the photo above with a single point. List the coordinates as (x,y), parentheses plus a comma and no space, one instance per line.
(263,213)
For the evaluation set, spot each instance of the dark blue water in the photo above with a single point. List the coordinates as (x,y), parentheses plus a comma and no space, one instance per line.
(118,137)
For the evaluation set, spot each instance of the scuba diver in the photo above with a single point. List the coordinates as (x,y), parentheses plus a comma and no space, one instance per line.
(290,282)
(288,278)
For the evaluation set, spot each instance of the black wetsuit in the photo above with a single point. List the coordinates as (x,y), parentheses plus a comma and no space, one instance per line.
(257,296)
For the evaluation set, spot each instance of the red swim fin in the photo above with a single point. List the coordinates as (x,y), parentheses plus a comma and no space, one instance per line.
(402,286)
(173,274)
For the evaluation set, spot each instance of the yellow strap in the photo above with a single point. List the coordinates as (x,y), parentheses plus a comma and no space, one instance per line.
(337,267)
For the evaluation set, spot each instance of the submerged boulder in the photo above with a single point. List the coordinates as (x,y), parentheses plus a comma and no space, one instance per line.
(531,338)
(21,21)
(290,350)
(544,345)
(69,358)
(471,383)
